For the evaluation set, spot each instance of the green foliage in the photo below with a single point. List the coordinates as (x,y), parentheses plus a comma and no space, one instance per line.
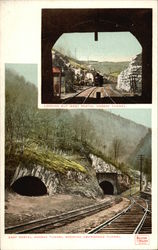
(33,135)
(33,154)
(110,67)
(147,168)
(20,108)
(134,189)
(143,148)
(114,74)
(124,168)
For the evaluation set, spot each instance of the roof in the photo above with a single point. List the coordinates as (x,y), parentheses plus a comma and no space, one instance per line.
(56,70)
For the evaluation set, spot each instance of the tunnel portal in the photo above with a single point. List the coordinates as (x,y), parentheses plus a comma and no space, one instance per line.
(29,186)
(107,187)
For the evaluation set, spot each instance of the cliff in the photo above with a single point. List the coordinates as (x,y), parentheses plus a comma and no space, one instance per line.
(130,79)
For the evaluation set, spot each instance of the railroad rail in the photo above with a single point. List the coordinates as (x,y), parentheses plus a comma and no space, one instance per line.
(112,101)
(45,224)
(87,93)
(89,89)
(135,219)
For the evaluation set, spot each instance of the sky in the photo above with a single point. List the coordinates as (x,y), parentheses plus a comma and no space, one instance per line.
(141,116)
(29,71)
(111,46)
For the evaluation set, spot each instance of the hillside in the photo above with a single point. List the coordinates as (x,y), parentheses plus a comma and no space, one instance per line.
(63,132)
(144,149)
(106,68)
(107,127)
(66,62)
(109,67)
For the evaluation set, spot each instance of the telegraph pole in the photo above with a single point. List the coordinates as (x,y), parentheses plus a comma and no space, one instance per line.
(141,158)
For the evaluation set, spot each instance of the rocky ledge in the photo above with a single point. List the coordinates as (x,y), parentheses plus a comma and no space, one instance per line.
(130,79)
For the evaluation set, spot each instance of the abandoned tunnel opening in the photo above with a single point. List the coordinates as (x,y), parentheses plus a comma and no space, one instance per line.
(107,187)
(29,186)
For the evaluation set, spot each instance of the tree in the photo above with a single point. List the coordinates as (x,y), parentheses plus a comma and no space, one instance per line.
(83,128)
(20,109)
(117,148)
(148,167)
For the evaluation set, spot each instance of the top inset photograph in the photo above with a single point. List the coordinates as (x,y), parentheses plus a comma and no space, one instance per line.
(96,56)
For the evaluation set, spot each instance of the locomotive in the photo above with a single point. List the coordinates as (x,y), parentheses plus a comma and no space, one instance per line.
(98,80)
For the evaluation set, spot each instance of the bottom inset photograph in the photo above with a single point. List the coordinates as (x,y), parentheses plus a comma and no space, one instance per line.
(79,171)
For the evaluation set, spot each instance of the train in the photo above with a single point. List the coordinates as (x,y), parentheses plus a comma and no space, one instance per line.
(92,79)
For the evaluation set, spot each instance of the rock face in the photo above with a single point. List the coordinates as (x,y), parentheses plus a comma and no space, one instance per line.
(49,178)
(70,182)
(108,172)
(101,166)
(130,80)
(121,182)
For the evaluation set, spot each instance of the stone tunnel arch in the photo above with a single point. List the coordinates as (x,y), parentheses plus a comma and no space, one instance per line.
(29,186)
(107,187)
(136,21)
(110,179)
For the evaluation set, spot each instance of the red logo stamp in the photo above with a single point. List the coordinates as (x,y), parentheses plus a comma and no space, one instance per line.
(142,239)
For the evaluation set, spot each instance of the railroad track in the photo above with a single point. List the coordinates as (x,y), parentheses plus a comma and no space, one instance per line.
(83,96)
(135,219)
(117,95)
(112,101)
(108,96)
(44,225)
(87,93)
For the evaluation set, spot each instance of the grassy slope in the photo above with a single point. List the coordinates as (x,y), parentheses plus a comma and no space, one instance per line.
(37,155)
(110,67)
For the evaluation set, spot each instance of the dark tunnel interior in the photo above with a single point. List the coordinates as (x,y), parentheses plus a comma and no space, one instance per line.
(107,187)
(29,186)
